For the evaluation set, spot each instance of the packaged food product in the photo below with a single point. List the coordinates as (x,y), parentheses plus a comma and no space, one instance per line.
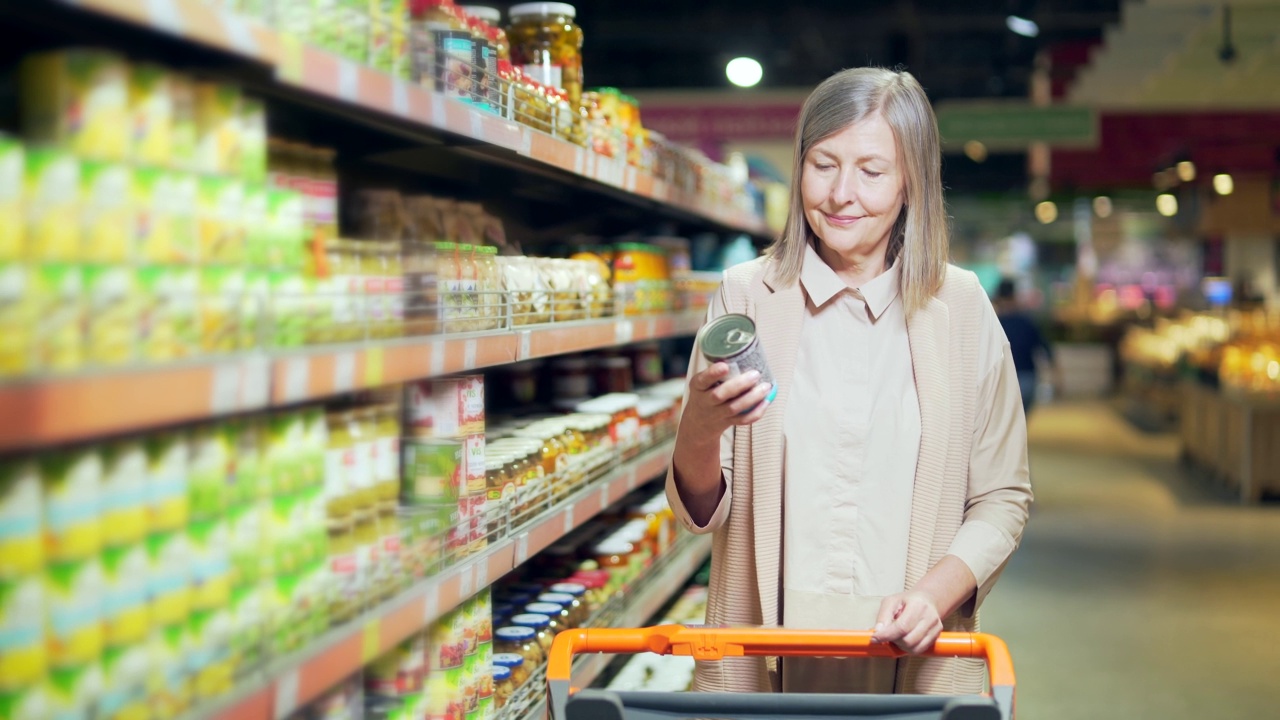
(182,196)
(12,205)
(72,488)
(220,216)
(124,682)
(541,625)
(732,339)
(150,115)
(125,615)
(168,678)
(168,459)
(286,225)
(74,591)
(21,505)
(253,141)
(168,577)
(112,317)
(209,633)
(78,99)
(23,655)
(434,471)
(546,45)
(221,296)
(51,201)
(557,613)
(448,408)
(124,494)
(72,689)
(576,611)
(218,138)
(613,374)
(17,319)
(452,48)
(519,641)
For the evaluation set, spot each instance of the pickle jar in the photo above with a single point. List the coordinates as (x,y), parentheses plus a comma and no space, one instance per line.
(575,609)
(546,44)
(503,686)
(575,591)
(515,664)
(541,626)
(557,614)
(521,641)
(596,583)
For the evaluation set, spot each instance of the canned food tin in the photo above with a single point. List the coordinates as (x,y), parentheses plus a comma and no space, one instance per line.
(731,339)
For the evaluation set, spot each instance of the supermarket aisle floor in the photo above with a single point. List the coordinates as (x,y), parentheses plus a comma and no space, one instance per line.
(1138,593)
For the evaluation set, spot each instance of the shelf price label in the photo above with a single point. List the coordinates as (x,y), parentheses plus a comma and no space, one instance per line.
(568,517)
(624,331)
(348,81)
(400,97)
(482,573)
(297,376)
(431,605)
(526,345)
(469,355)
(344,372)
(224,390)
(370,641)
(438,350)
(466,580)
(239,33)
(522,548)
(286,700)
(255,386)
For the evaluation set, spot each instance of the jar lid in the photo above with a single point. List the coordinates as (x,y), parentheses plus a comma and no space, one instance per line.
(532,621)
(509,660)
(571,589)
(542,8)
(546,609)
(501,674)
(487,14)
(650,406)
(556,598)
(494,464)
(592,579)
(515,633)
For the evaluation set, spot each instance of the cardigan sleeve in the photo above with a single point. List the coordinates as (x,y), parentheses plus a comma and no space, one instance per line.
(718,306)
(999,493)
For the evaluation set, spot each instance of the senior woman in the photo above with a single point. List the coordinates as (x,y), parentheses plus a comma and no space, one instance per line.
(885,485)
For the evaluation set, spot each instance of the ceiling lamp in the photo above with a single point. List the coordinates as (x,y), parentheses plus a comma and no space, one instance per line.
(1186,171)
(975,151)
(1022,26)
(1102,206)
(1166,205)
(1046,212)
(744,72)
(1223,184)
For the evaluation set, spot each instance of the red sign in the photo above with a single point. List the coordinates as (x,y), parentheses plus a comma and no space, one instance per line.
(717,123)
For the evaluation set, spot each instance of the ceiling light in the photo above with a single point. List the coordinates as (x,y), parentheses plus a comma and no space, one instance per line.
(1223,184)
(1186,171)
(1022,26)
(975,151)
(1046,212)
(1102,206)
(1166,204)
(744,72)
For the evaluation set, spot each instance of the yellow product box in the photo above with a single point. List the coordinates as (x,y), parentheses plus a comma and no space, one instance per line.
(60,306)
(21,504)
(107,212)
(72,484)
(182,94)
(245,533)
(285,534)
(75,631)
(169,578)
(221,294)
(184,202)
(210,564)
(12,164)
(247,438)
(124,695)
(112,309)
(209,656)
(248,625)
(150,115)
(253,141)
(17,319)
(218,129)
(286,247)
(168,676)
(23,655)
(124,493)
(28,702)
(152,208)
(158,329)
(125,614)
(220,219)
(257,232)
(288,309)
(52,203)
(73,690)
(78,99)
(286,613)
(168,467)
(209,471)
(254,309)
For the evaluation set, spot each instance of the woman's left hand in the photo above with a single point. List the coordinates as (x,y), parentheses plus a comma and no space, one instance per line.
(909,620)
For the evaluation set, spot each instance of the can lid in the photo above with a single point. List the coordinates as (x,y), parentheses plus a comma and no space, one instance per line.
(501,673)
(487,14)
(727,335)
(548,609)
(556,598)
(542,8)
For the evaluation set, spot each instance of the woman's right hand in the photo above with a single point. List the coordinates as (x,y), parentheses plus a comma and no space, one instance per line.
(716,402)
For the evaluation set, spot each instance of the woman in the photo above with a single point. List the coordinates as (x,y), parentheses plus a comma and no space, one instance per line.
(885,486)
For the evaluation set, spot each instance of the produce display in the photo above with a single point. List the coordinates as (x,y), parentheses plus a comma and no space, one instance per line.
(1235,349)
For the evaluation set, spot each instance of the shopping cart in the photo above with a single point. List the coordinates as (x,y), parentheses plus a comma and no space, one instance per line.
(716,644)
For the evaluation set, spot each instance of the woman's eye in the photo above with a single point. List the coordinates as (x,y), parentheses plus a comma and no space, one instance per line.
(823,166)
(872,174)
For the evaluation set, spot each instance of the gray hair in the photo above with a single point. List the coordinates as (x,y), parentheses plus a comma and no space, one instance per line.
(920,238)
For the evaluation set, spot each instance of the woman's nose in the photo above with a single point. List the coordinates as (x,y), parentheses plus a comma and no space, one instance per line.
(844,189)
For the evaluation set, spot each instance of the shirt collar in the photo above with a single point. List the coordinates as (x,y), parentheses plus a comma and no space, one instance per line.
(822,284)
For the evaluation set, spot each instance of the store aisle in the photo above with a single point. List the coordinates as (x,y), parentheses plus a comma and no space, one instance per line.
(1137,593)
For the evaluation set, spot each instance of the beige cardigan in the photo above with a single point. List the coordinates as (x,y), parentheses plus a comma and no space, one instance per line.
(747,549)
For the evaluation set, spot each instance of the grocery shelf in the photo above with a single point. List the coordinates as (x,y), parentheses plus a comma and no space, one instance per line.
(638,610)
(372,97)
(294,681)
(48,411)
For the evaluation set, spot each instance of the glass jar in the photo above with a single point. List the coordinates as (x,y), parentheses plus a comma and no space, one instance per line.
(547,45)
(388,431)
(418,288)
(492,17)
(362,425)
(596,583)
(452,290)
(614,374)
(503,686)
(343,599)
(572,377)
(515,663)
(555,612)
(522,641)
(339,458)
(541,625)
(614,557)
(468,278)
(575,609)
(493,307)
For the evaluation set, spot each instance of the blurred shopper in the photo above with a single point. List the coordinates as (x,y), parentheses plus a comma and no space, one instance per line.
(886,485)
(1026,344)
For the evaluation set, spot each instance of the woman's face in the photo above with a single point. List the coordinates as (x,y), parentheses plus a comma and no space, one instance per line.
(852,187)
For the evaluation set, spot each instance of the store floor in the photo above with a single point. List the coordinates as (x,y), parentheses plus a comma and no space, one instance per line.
(1138,592)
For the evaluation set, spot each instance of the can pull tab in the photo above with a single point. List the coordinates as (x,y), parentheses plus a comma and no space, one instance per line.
(738,337)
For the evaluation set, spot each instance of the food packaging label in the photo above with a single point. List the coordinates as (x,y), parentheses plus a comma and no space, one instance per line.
(72,483)
(74,591)
(168,577)
(150,115)
(112,308)
(107,211)
(168,465)
(12,168)
(21,524)
(78,99)
(124,494)
(52,204)
(126,616)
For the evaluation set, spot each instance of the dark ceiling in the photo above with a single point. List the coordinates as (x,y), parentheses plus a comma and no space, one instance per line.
(958,49)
